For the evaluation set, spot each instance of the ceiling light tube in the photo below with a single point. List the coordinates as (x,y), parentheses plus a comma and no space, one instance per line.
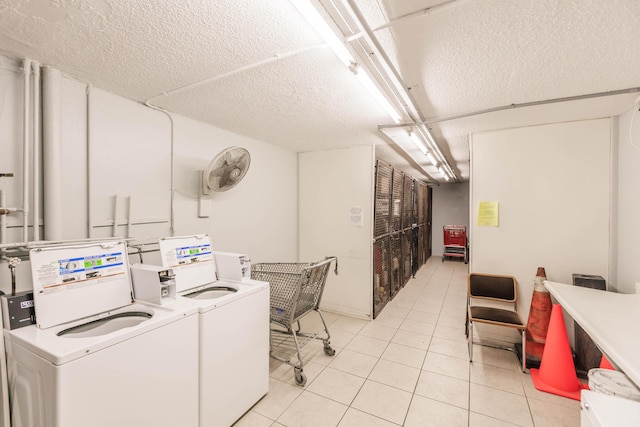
(315,19)
(432,159)
(418,143)
(319,24)
(377,94)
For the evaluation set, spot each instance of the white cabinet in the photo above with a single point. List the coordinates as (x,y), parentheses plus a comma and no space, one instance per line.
(601,410)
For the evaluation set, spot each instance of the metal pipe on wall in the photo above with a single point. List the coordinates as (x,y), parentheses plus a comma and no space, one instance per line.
(36,150)
(51,152)
(26,67)
(3,217)
(89,193)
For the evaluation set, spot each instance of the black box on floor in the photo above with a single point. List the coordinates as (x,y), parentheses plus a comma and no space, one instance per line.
(18,310)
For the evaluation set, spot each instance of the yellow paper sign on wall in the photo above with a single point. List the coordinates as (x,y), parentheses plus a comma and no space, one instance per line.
(488,214)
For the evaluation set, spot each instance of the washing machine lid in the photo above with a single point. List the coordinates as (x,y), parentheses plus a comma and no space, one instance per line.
(191,259)
(58,348)
(73,282)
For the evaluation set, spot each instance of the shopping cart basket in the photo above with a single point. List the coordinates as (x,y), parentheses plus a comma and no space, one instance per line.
(296,289)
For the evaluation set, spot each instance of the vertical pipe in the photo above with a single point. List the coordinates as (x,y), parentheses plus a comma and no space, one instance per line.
(114,230)
(26,67)
(89,218)
(51,153)
(36,150)
(3,220)
(128,216)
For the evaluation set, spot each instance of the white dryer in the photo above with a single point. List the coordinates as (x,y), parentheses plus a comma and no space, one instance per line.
(95,358)
(233,319)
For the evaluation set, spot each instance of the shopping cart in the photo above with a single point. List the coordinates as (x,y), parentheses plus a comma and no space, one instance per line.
(296,289)
(455,242)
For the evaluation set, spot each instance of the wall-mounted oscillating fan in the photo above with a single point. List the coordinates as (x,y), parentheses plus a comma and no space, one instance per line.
(226,170)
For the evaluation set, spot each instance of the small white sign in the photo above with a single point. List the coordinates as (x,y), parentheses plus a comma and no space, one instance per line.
(356,216)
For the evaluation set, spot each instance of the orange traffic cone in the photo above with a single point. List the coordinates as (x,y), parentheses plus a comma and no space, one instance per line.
(557,373)
(538,322)
(605,364)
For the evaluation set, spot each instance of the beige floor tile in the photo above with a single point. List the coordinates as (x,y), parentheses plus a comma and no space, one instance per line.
(371,346)
(336,385)
(479,420)
(383,401)
(450,333)
(418,327)
(425,412)
(423,316)
(340,338)
(285,373)
(505,359)
(411,339)
(311,410)
(321,358)
(354,363)
(447,365)
(394,310)
(279,397)
(395,375)
(355,418)
(403,300)
(453,320)
(533,393)
(443,389)
(502,379)
(499,404)
(378,331)
(549,415)
(453,348)
(348,324)
(253,419)
(408,356)
(388,320)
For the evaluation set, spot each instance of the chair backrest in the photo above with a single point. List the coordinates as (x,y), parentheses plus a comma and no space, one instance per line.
(493,287)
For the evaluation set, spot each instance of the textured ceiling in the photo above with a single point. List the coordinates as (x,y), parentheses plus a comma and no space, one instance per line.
(256,68)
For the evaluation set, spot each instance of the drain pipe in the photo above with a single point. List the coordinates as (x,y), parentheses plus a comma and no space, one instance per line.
(36,150)
(51,153)
(26,68)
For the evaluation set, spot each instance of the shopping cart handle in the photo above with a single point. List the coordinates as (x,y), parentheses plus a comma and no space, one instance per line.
(331,258)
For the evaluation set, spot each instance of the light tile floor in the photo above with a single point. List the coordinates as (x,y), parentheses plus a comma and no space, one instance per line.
(409,367)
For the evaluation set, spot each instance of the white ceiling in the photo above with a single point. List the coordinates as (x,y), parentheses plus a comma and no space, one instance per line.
(256,68)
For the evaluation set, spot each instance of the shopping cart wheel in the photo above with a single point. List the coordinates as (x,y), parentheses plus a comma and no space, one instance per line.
(301,378)
(328,350)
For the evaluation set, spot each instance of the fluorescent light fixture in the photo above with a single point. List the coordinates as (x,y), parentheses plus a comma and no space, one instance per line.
(418,143)
(377,94)
(323,29)
(441,170)
(314,18)
(432,159)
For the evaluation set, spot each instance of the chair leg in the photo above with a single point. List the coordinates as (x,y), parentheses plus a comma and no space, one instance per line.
(524,351)
(470,339)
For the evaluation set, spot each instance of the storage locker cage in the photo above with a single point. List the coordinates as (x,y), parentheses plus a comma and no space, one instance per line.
(401,215)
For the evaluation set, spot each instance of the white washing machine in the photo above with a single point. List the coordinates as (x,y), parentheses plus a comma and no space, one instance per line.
(95,358)
(233,319)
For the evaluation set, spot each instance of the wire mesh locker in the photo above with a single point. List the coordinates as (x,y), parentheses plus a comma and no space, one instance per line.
(381,275)
(383,195)
(396,264)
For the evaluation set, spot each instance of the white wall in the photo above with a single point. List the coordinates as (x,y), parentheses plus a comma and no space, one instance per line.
(130,151)
(626,218)
(331,184)
(450,207)
(552,183)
